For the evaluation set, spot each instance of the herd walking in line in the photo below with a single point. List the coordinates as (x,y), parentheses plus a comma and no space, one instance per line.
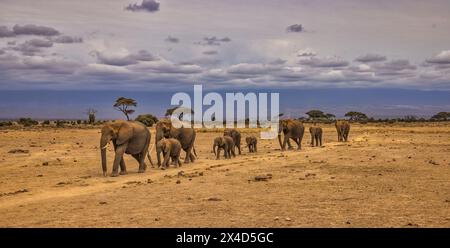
(133,138)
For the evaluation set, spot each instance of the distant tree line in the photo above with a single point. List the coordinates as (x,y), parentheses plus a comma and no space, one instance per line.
(127,105)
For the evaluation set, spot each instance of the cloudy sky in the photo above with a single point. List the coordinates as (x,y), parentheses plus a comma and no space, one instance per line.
(166,45)
(135,44)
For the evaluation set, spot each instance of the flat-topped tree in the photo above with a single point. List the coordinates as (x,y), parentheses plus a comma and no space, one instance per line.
(441,116)
(315,114)
(125,105)
(356,116)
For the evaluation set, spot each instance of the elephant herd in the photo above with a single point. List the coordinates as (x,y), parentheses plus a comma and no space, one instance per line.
(133,137)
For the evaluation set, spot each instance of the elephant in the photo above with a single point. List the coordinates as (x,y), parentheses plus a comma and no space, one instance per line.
(227,144)
(316,135)
(130,137)
(186,136)
(171,149)
(236,135)
(251,143)
(342,128)
(292,129)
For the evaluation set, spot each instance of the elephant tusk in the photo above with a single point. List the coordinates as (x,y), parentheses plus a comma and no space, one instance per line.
(105,146)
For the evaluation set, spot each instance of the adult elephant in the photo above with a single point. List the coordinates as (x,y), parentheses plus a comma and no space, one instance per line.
(292,129)
(343,129)
(236,136)
(186,136)
(128,137)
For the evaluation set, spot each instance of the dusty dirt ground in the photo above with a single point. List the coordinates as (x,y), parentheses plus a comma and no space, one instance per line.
(385,176)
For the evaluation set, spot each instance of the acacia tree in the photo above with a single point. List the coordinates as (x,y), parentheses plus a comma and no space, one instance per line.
(315,114)
(91,115)
(441,116)
(319,115)
(124,105)
(356,116)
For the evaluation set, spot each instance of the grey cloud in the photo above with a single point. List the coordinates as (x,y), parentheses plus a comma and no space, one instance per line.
(252,69)
(67,39)
(130,59)
(295,28)
(442,58)
(146,5)
(31,29)
(143,55)
(277,62)
(33,46)
(212,41)
(171,39)
(11,43)
(6,32)
(168,67)
(370,58)
(396,65)
(39,43)
(210,52)
(324,62)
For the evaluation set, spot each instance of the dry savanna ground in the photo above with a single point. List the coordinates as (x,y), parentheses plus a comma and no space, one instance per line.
(385,176)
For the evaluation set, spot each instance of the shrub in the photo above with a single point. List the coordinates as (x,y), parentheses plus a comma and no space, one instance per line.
(27,122)
(147,119)
(5,123)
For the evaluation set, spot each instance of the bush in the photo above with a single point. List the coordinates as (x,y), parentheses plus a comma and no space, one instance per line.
(27,122)
(147,119)
(46,122)
(5,123)
(60,123)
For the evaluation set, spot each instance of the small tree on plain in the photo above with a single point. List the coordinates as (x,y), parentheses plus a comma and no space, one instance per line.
(356,116)
(441,116)
(124,105)
(91,115)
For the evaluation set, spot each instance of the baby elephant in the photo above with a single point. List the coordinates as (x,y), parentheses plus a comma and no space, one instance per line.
(171,149)
(251,143)
(227,144)
(316,135)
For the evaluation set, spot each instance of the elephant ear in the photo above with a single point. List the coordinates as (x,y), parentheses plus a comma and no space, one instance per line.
(124,134)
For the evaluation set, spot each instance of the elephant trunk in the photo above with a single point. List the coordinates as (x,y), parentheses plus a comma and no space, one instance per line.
(279,140)
(103,144)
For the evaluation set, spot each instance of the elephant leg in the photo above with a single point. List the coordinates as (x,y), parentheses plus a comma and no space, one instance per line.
(233,152)
(187,159)
(158,156)
(178,161)
(312,140)
(192,157)
(120,150)
(285,141)
(218,153)
(239,149)
(142,165)
(226,150)
(123,168)
(165,163)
